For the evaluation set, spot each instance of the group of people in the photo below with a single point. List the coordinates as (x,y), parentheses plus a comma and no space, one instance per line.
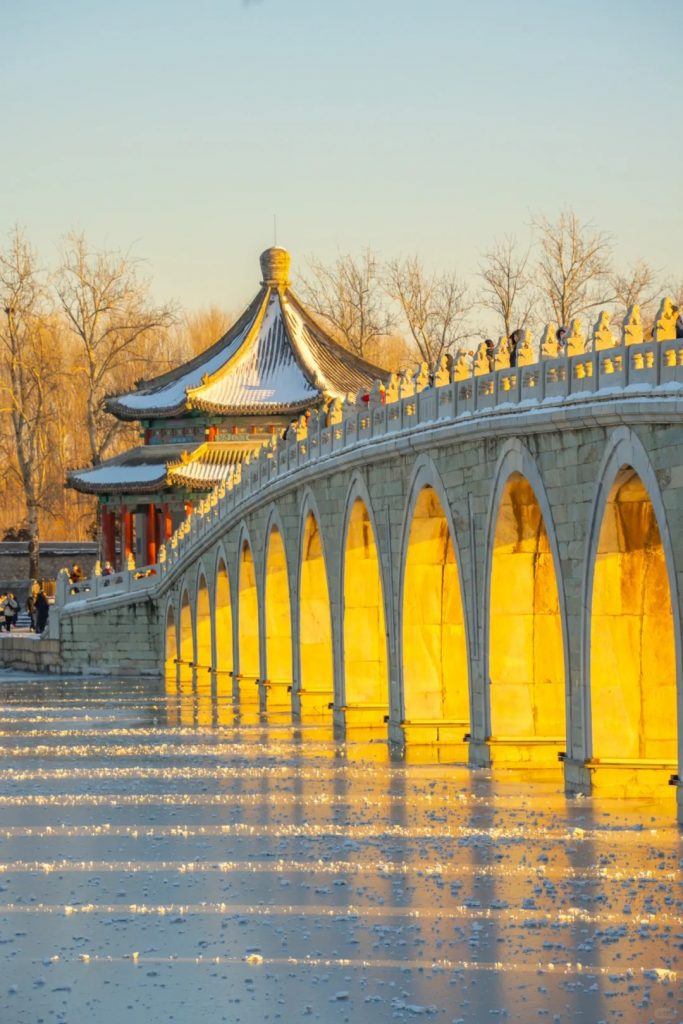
(37,606)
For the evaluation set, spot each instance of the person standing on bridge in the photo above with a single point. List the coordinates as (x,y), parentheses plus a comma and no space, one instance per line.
(42,611)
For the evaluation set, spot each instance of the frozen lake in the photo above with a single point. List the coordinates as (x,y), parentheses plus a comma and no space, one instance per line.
(162,860)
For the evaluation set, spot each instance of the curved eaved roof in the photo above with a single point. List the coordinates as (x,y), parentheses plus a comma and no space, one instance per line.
(275,360)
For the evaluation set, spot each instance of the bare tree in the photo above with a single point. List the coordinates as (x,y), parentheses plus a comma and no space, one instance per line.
(349,296)
(573,271)
(507,285)
(107,309)
(434,307)
(29,371)
(636,285)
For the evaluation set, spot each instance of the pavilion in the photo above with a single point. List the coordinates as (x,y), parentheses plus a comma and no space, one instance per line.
(199,420)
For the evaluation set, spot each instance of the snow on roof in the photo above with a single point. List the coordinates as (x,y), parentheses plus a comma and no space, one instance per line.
(265,373)
(275,359)
(137,470)
(174,394)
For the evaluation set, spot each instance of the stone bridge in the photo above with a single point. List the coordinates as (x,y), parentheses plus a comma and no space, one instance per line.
(490,566)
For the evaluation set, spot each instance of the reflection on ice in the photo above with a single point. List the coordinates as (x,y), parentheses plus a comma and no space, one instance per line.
(168,856)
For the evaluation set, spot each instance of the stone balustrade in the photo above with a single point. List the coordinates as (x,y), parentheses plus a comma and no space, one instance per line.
(457,392)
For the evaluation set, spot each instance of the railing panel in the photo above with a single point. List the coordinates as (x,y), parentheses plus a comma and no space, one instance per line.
(612,368)
(642,365)
(485,391)
(671,362)
(531,383)
(582,372)
(508,385)
(556,378)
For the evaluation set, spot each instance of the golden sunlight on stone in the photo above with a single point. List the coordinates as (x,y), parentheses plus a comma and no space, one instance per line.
(278,624)
(171,659)
(203,627)
(435,675)
(315,650)
(248,629)
(526,659)
(223,638)
(632,665)
(365,641)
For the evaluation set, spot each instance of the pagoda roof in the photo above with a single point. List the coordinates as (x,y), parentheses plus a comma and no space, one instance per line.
(210,464)
(151,468)
(137,471)
(276,359)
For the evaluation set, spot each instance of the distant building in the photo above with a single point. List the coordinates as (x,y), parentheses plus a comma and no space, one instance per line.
(199,420)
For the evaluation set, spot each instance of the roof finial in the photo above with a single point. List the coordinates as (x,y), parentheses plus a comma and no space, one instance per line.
(275,264)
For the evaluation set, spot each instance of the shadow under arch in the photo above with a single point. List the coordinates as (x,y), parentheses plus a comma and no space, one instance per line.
(278,621)
(435,675)
(631,631)
(248,640)
(365,664)
(525,649)
(316,661)
(223,640)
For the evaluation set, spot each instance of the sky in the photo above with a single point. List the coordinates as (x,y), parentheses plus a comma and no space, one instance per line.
(179,130)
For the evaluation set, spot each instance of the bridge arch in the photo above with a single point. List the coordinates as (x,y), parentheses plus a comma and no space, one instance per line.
(248,622)
(632,676)
(315,650)
(278,654)
(525,655)
(435,683)
(202,625)
(170,647)
(223,638)
(364,647)
(186,652)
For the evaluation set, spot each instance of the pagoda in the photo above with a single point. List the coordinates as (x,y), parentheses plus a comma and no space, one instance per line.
(199,420)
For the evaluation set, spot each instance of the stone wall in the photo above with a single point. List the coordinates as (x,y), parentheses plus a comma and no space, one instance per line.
(54,555)
(116,640)
(29,654)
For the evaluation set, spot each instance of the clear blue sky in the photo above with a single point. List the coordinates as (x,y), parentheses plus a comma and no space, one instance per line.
(431,127)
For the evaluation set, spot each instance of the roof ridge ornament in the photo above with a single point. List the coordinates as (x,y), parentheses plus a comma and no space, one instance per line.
(275,263)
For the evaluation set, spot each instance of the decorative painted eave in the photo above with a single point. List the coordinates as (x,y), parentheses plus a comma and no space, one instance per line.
(141,470)
(210,464)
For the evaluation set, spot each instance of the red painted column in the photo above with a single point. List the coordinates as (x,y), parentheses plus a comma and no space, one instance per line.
(167,520)
(109,534)
(127,521)
(152,539)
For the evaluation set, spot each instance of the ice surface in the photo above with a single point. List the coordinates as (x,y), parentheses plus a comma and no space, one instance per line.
(163,858)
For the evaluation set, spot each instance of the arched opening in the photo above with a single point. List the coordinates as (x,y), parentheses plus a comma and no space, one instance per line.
(171,653)
(278,625)
(435,665)
(526,651)
(171,667)
(224,637)
(366,683)
(203,626)
(248,636)
(204,658)
(315,625)
(632,646)
(186,663)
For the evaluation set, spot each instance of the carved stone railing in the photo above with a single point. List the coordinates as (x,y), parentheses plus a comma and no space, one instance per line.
(126,581)
(457,393)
